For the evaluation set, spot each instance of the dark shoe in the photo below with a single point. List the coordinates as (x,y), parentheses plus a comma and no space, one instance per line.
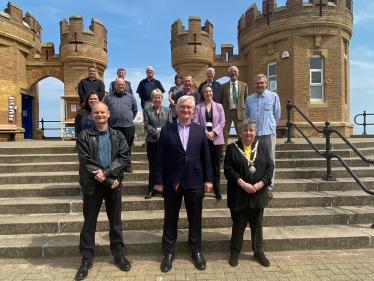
(128,169)
(199,260)
(83,270)
(217,195)
(222,158)
(262,259)
(149,195)
(233,260)
(270,194)
(167,263)
(122,263)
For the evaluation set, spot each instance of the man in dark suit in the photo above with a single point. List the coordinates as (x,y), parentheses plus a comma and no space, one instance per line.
(232,96)
(183,168)
(213,83)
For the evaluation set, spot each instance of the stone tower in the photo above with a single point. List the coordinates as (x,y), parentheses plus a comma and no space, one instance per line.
(80,48)
(26,60)
(192,50)
(304,51)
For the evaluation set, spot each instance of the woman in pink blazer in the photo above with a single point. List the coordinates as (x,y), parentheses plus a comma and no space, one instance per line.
(210,115)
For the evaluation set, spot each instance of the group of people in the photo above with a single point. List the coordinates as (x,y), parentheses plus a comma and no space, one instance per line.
(185,144)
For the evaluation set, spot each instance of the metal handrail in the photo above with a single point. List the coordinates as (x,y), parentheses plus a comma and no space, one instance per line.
(328,154)
(363,124)
(44,129)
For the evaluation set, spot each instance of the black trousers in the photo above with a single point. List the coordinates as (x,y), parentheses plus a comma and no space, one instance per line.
(215,154)
(239,222)
(193,199)
(129,133)
(91,208)
(151,154)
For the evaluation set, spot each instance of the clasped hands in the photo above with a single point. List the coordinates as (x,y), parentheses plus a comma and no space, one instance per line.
(100,177)
(250,188)
(210,135)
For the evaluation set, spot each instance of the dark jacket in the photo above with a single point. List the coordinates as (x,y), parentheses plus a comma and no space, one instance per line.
(196,96)
(79,121)
(87,144)
(86,85)
(173,164)
(142,90)
(236,166)
(215,88)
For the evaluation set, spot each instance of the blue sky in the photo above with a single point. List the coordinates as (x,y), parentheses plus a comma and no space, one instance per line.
(139,35)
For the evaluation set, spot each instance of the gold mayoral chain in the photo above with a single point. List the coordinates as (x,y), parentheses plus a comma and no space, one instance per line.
(252,168)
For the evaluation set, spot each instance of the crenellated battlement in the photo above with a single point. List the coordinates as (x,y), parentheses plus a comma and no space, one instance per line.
(14,14)
(202,35)
(83,45)
(337,10)
(74,31)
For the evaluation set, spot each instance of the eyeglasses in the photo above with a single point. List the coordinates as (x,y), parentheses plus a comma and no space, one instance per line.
(122,85)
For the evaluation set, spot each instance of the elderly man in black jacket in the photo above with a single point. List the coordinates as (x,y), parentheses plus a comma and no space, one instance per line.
(103,155)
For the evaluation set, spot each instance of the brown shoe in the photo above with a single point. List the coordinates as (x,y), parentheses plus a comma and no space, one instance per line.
(128,169)
(144,144)
(270,194)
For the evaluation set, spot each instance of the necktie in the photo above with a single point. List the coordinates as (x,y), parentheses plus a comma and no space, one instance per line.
(234,94)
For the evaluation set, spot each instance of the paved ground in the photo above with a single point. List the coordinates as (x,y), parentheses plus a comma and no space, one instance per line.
(303,265)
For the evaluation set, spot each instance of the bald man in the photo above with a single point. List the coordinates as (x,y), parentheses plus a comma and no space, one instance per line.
(103,155)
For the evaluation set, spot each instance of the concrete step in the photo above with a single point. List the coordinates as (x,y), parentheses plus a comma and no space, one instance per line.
(284,238)
(71,164)
(335,144)
(310,172)
(345,153)
(55,167)
(140,187)
(67,204)
(142,175)
(212,218)
(320,162)
(68,157)
(142,156)
(57,148)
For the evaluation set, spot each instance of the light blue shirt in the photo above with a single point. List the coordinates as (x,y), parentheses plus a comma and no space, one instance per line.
(265,110)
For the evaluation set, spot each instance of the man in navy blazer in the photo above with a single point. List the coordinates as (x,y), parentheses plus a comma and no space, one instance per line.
(183,169)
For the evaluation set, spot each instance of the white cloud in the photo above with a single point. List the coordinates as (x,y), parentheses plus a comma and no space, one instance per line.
(363,14)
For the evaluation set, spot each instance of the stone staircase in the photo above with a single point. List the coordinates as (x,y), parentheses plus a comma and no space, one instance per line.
(41,209)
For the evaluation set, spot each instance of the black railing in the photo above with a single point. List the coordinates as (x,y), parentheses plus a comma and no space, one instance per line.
(364,124)
(328,154)
(51,129)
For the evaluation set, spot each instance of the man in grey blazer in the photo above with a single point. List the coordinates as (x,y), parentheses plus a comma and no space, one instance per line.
(232,96)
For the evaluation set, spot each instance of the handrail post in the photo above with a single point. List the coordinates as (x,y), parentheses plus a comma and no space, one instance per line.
(327,133)
(42,121)
(364,122)
(288,107)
